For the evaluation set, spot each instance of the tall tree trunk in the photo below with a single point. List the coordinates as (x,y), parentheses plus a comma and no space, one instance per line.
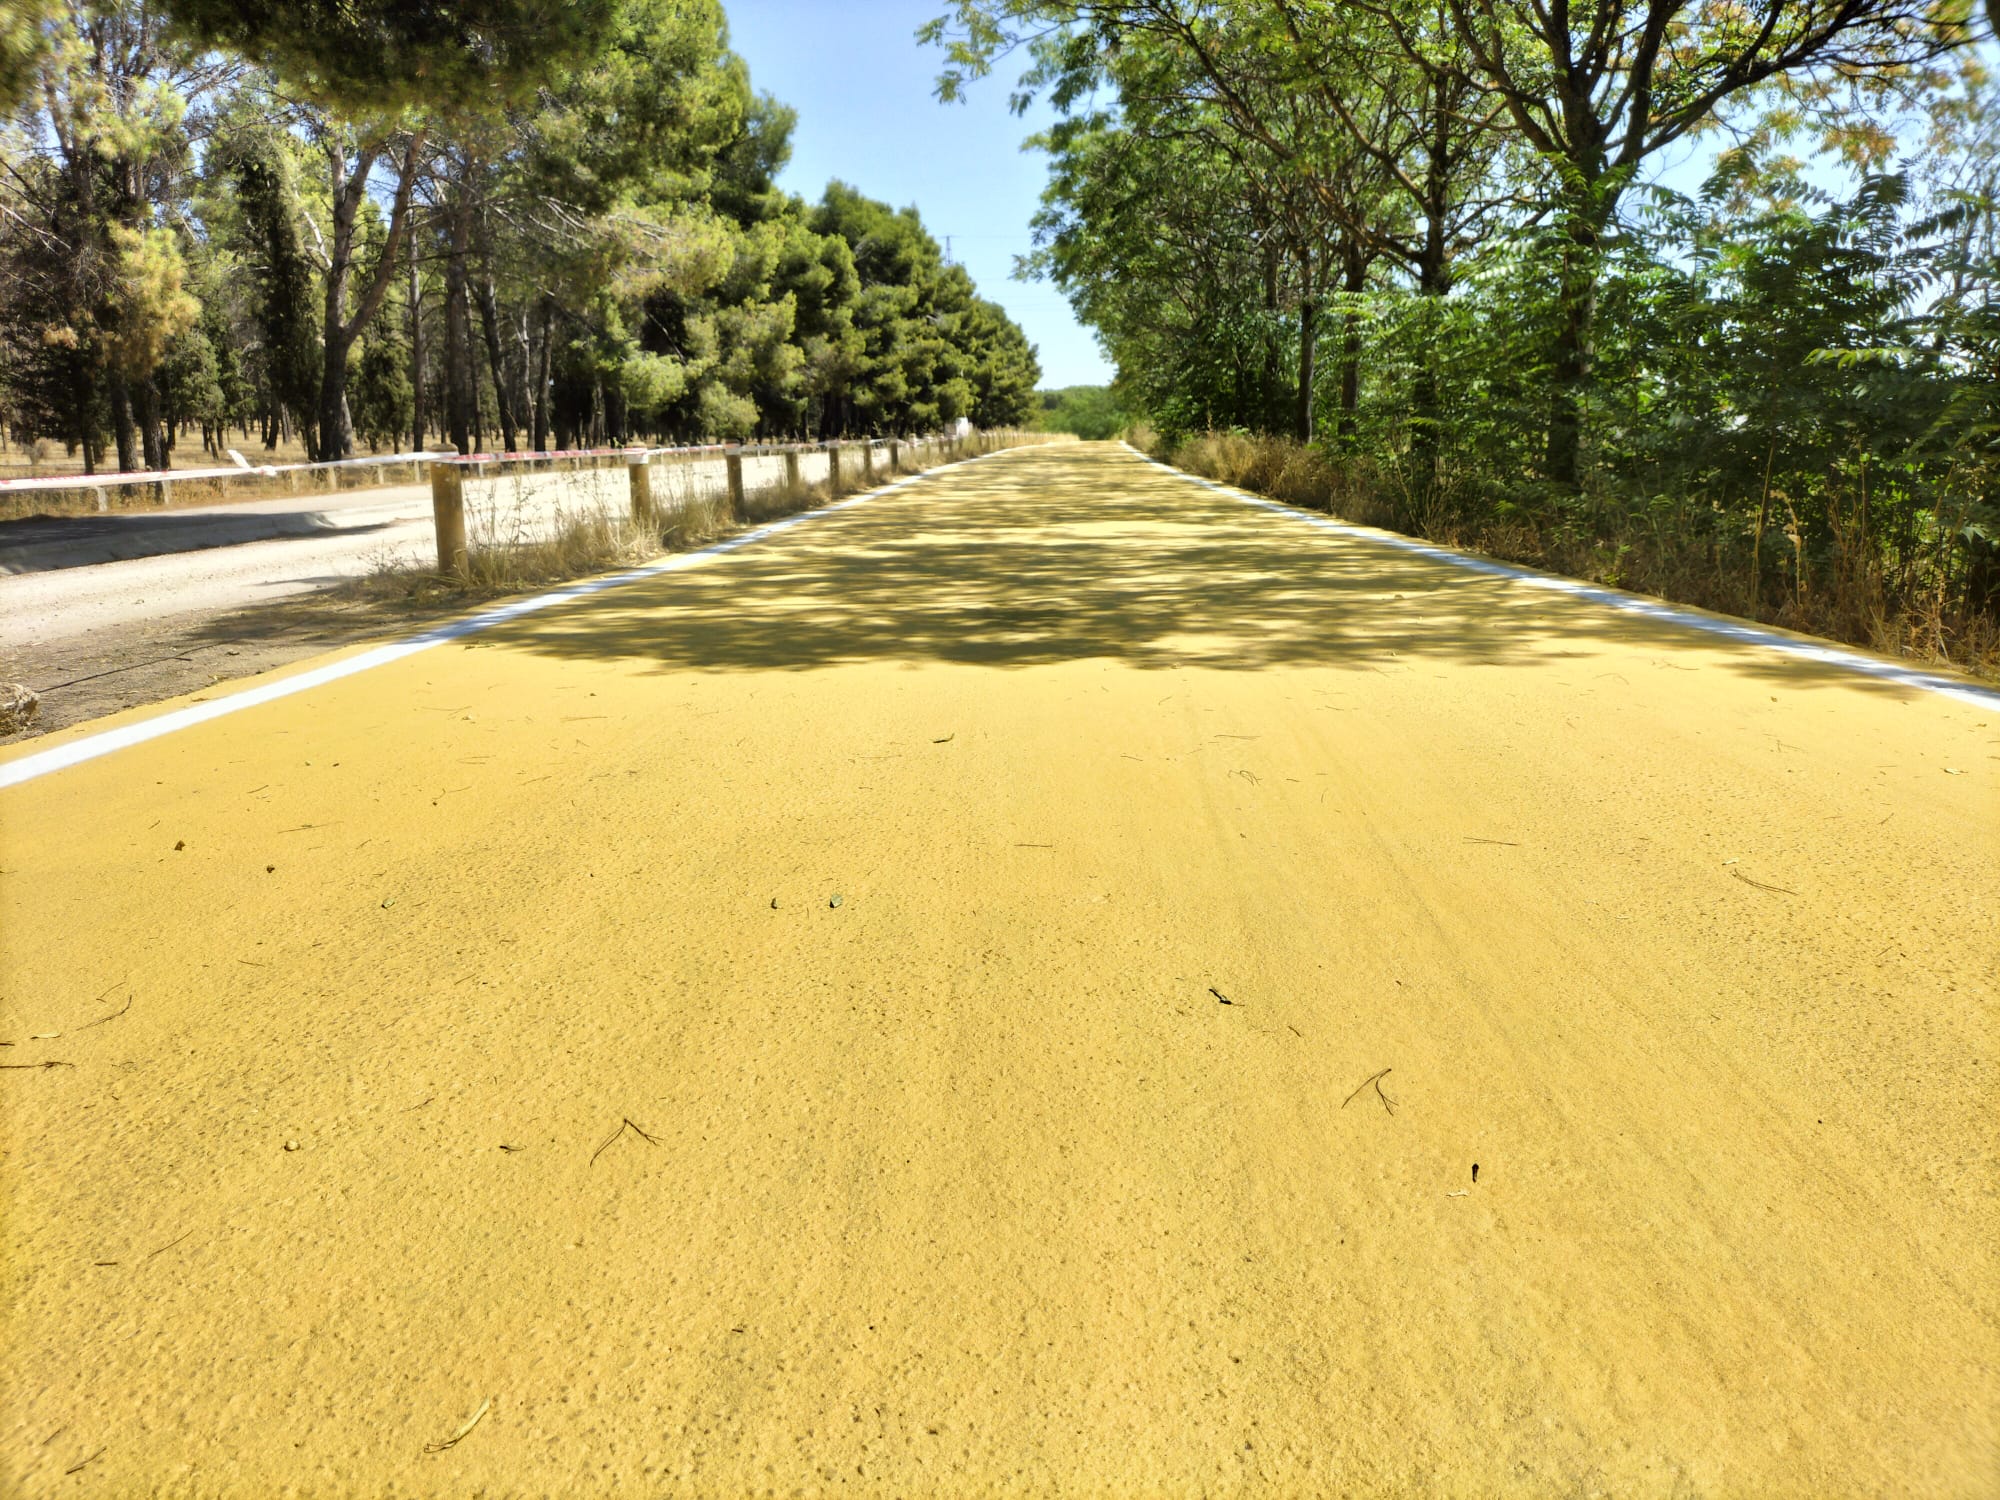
(1571,366)
(520,367)
(336,432)
(1433,284)
(121,424)
(461,396)
(338,331)
(418,425)
(614,414)
(542,375)
(1308,333)
(152,439)
(336,427)
(1587,210)
(1354,268)
(86,408)
(489,323)
(1269,418)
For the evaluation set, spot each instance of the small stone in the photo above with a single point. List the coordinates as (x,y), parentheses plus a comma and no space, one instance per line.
(291,1145)
(834,902)
(19,705)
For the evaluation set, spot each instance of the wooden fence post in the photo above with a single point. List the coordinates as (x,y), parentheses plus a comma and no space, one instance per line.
(448,509)
(792,485)
(733,465)
(639,476)
(833,471)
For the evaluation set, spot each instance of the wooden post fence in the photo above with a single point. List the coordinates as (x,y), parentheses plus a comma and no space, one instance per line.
(640,474)
(733,465)
(448,509)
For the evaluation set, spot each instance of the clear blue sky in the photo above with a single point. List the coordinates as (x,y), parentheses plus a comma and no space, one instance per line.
(862,87)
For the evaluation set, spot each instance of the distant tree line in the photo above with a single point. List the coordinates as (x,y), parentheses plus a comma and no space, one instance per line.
(1431,240)
(1092,412)
(500,223)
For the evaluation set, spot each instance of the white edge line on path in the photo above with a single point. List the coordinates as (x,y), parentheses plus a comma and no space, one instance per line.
(1631,604)
(76,752)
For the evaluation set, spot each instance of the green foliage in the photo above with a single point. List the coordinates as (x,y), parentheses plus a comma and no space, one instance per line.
(377,54)
(147,308)
(918,347)
(21,44)
(1092,412)
(211,213)
(381,392)
(1407,230)
(280,275)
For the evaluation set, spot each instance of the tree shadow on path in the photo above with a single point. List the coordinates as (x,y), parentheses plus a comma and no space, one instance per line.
(1077,553)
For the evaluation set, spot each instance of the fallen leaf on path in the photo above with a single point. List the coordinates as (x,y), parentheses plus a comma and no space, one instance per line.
(1376,1079)
(459,1436)
(1762,886)
(112,1017)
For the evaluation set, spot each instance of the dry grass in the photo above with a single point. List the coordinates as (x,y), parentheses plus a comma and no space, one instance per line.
(579,546)
(1620,551)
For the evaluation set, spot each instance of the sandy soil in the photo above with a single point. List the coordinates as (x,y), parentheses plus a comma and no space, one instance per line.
(761,1030)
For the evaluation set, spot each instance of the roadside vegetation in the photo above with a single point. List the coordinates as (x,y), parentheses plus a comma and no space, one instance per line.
(1687,296)
(1092,412)
(489,226)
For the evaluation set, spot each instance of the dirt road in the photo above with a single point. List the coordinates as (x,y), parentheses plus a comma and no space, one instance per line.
(101,613)
(70,576)
(763,1027)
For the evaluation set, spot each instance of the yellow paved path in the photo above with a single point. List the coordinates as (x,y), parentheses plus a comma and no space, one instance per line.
(969,1183)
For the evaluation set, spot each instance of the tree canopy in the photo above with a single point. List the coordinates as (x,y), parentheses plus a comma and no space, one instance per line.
(1433,239)
(504,223)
